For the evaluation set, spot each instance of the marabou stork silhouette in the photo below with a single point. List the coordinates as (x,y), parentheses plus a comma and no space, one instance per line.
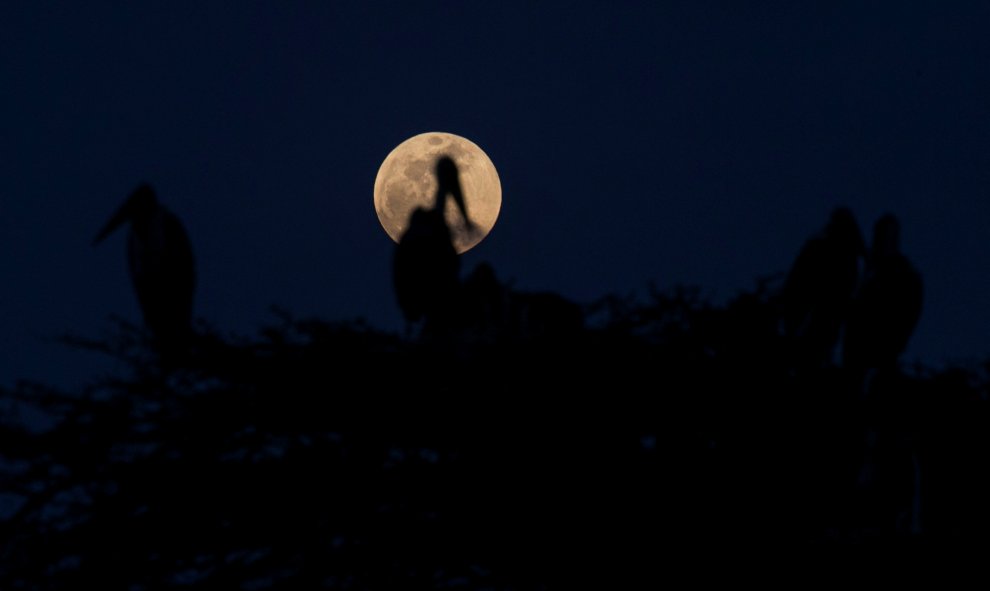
(161,265)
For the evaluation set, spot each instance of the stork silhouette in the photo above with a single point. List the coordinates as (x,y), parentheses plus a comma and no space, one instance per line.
(887,306)
(426,265)
(819,287)
(161,265)
(882,318)
(484,306)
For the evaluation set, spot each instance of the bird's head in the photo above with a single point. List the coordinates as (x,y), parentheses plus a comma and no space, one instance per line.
(138,207)
(842,226)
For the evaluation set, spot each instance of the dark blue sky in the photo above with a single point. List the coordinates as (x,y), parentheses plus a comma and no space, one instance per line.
(679,142)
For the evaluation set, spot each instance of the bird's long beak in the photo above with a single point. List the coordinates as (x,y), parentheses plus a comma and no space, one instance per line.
(458,195)
(122,215)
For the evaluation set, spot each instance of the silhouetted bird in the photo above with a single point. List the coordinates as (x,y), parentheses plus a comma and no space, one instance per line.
(493,311)
(161,265)
(881,320)
(888,305)
(426,265)
(819,287)
(484,306)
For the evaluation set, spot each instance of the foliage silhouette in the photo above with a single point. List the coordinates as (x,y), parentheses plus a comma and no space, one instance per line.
(333,455)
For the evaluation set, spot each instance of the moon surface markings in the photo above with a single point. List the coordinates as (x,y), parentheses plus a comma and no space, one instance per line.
(406,180)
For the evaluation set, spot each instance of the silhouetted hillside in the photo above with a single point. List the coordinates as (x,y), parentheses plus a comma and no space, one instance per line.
(333,455)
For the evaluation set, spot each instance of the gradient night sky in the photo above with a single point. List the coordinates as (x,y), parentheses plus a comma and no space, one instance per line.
(681,142)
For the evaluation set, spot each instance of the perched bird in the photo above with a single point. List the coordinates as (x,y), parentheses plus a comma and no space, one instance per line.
(819,287)
(426,265)
(484,306)
(160,260)
(492,312)
(888,305)
(882,318)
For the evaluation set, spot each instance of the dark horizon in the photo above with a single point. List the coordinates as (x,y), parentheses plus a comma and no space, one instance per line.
(690,143)
(336,456)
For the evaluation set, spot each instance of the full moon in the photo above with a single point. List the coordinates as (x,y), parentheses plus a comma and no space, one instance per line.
(406,180)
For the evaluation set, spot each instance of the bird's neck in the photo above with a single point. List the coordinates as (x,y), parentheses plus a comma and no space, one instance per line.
(141,224)
(440,201)
(145,221)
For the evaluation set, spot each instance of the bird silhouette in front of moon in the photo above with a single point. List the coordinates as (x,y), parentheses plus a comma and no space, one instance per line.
(426,266)
(161,265)
(406,180)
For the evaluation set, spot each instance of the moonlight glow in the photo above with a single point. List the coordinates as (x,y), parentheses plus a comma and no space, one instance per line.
(406,180)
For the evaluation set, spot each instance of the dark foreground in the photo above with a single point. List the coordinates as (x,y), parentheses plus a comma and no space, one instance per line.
(334,456)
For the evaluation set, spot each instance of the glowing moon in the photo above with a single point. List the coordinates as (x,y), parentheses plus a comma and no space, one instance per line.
(406,180)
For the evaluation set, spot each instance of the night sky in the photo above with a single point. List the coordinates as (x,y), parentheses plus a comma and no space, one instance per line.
(693,142)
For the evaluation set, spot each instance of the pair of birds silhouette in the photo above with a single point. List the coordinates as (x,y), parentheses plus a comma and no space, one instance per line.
(826,295)
(876,312)
(162,268)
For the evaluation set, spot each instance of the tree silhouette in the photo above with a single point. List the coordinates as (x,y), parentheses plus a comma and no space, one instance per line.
(334,455)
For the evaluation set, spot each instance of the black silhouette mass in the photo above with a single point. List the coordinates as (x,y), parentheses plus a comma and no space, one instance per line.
(819,287)
(160,261)
(426,269)
(888,304)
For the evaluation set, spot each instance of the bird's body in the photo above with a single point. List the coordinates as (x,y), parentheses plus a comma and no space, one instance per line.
(493,312)
(162,270)
(819,287)
(887,307)
(161,266)
(882,318)
(484,306)
(426,267)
